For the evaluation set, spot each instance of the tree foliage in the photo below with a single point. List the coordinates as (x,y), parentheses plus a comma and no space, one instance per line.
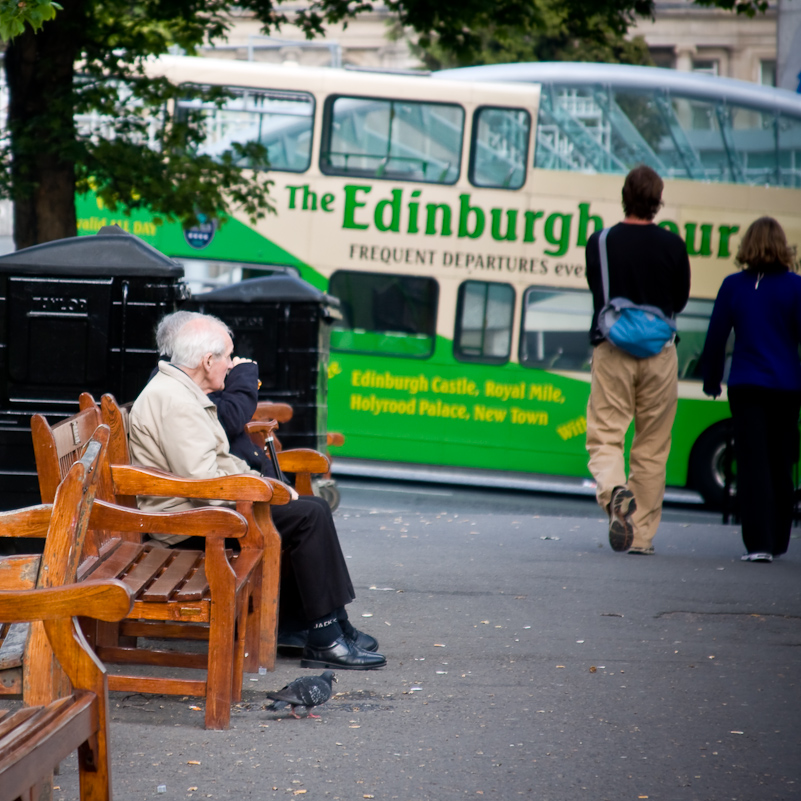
(90,56)
(15,14)
(554,31)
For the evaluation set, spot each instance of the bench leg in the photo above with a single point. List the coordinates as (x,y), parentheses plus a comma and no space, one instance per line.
(221,664)
(239,650)
(94,770)
(253,627)
(270,587)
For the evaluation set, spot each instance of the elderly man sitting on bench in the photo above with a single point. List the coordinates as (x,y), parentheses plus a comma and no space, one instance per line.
(174,427)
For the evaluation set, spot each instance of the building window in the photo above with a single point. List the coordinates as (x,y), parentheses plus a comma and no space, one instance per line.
(664,57)
(706,66)
(484,314)
(393,315)
(767,72)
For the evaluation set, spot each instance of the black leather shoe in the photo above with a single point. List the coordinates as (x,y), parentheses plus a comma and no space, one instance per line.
(342,654)
(299,639)
(364,641)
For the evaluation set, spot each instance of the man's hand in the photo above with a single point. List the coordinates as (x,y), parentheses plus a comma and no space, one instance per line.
(293,494)
(239,360)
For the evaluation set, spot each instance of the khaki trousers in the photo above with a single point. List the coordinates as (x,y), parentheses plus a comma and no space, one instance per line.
(624,387)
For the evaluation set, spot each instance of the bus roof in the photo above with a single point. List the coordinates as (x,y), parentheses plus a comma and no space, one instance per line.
(627,76)
(331,80)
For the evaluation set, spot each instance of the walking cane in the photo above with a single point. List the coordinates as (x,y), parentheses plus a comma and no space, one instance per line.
(270,442)
(261,432)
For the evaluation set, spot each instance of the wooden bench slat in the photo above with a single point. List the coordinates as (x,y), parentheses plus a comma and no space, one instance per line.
(182,566)
(13,719)
(116,560)
(13,646)
(162,630)
(149,684)
(196,588)
(136,656)
(23,726)
(173,612)
(54,737)
(146,569)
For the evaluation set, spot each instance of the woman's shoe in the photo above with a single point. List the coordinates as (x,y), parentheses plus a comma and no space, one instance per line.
(342,654)
(757,557)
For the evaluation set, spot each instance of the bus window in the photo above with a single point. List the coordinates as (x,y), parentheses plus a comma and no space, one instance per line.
(484,314)
(556,325)
(692,324)
(393,139)
(392,315)
(603,130)
(500,148)
(281,121)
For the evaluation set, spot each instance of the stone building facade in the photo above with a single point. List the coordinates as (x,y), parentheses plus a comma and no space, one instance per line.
(681,36)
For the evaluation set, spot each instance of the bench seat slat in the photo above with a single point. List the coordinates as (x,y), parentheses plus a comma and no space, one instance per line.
(197,588)
(179,570)
(44,739)
(116,561)
(146,569)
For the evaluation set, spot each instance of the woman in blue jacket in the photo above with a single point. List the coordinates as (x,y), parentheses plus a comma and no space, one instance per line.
(762,303)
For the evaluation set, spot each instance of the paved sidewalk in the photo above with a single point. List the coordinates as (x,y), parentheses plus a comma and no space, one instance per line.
(526,659)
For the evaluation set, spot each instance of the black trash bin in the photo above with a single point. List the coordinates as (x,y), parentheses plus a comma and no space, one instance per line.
(284,324)
(76,315)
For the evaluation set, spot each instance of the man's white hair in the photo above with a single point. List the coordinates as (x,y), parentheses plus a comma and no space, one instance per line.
(198,336)
(168,327)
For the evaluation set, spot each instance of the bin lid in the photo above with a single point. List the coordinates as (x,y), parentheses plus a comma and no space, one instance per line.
(111,251)
(280,287)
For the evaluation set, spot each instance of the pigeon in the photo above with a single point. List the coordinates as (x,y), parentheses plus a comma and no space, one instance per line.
(305,692)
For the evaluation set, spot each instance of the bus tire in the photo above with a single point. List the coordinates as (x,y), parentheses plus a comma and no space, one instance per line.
(707,472)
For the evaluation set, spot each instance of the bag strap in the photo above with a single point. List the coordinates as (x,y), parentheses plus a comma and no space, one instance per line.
(604,264)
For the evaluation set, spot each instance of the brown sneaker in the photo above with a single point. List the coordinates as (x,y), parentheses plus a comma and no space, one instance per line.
(621,532)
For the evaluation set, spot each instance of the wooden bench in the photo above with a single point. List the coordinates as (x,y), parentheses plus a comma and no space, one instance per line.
(57,719)
(34,739)
(302,462)
(213,595)
(27,666)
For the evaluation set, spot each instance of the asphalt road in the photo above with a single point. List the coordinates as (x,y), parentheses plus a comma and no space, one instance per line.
(363,494)
(526,660)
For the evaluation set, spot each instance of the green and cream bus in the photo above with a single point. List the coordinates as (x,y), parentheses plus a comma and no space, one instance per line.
(449,215)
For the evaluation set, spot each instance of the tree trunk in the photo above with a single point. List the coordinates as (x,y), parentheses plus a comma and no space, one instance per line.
(40,73)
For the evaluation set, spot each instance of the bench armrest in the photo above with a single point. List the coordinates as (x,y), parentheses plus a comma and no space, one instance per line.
(30,522)
(303,460)
(132,480)
(107,600)
(267,410)
(211,521)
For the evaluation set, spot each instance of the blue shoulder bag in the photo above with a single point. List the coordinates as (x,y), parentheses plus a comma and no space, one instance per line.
(635,328)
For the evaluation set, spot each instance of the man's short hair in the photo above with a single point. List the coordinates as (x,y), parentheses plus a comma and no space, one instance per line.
(168,327)
(642,193)
(197,336)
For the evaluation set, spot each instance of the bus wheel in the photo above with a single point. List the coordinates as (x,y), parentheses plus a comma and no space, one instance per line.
(707,466)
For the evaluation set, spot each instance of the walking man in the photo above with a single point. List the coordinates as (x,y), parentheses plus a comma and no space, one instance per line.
(648,265)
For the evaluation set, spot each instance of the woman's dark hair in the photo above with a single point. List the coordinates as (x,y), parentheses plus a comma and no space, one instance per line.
(642,193)
(764,248)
